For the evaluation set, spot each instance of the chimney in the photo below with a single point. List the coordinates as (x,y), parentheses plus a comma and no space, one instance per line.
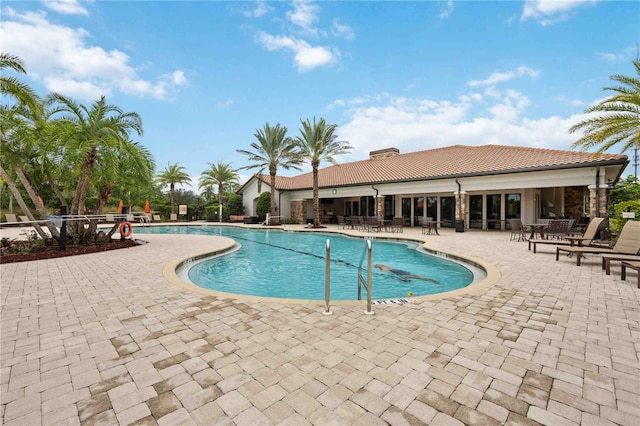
(383,153)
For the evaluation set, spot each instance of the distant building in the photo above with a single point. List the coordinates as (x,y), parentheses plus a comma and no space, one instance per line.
(482,185)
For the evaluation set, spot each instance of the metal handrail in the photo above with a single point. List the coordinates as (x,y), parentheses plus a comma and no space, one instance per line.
(268,219)
(327,280)
(361,281)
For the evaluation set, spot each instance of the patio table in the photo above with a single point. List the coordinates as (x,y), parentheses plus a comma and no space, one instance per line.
(537,227)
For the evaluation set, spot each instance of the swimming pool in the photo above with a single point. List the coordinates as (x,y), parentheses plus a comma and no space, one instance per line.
(283,264)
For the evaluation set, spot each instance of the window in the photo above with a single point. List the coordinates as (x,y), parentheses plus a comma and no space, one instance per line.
(512,206)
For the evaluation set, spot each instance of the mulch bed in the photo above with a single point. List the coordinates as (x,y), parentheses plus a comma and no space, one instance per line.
(15,252)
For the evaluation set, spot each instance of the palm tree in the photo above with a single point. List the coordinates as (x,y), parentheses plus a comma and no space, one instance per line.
(274,149)
(13,119)
(620,118)
(172,175)
(90,130)
(317,142)
(221,174)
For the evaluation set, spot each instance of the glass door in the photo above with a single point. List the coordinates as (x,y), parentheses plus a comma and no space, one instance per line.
(448,212)
(418,210)
(475,211)
(494,202)
(406,210)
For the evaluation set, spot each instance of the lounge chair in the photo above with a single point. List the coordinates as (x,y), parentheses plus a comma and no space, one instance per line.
(628,243)
(109,218)
(608,257)
(587,239)
(631,265)
(11,217)
(24,219)
(174,217)
(157,218)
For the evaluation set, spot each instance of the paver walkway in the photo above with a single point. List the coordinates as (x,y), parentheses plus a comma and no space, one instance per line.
(106,339)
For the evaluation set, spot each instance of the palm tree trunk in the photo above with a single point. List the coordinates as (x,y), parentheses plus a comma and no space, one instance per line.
(316,200)
(272,205)
(56,190)
(171,188)
(14,190)
(36,202)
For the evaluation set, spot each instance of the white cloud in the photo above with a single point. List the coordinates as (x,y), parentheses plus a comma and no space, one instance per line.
(500,77)
(306,57)
(60,57)
(412,124)
(344,31)
(446,9)
(304,16)
(612,57)
(258,11)
(224,104)
(66,7)
(548,12)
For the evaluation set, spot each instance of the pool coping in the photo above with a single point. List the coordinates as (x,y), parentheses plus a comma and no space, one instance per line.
(170,270)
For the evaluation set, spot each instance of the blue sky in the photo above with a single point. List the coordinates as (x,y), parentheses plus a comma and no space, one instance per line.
(204,75)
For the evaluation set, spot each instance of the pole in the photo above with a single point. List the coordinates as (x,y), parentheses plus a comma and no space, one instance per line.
(327,280)
(369,311)
(62,242)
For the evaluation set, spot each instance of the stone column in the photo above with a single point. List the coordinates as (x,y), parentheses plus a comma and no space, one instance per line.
(461,206)
(602,208)
(380,207)
(299,210)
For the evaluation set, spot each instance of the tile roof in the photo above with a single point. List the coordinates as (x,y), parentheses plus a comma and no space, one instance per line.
(456,160)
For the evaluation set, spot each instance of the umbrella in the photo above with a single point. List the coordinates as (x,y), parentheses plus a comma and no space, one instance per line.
(120,207)
(147,209)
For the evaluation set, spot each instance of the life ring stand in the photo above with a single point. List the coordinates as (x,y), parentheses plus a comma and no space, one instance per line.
(126,229)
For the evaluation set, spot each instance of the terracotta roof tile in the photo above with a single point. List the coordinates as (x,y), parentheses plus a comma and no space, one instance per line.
(457,160)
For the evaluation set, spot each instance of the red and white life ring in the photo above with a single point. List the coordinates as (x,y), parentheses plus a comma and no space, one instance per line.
(126,229)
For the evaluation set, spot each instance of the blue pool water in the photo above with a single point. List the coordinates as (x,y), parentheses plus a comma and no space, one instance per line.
(276,263)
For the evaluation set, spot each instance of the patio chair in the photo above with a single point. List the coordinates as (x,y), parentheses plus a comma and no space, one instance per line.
(397,223)
(586,239)
(630,265)
(518,230)
(342,222)
(373,224)
(628,243)
(558,229)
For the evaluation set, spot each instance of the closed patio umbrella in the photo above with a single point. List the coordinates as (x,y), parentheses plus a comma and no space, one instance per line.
(120,207)
(147,209)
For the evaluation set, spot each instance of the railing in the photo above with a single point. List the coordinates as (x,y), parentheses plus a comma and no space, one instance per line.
(268,219)
(327,280)
(361,281)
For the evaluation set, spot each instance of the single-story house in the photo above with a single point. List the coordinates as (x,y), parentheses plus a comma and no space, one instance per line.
(480,185)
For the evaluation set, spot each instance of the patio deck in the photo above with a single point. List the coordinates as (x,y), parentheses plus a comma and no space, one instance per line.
(106,339)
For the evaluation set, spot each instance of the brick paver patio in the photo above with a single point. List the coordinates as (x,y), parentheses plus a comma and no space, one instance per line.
(106,339)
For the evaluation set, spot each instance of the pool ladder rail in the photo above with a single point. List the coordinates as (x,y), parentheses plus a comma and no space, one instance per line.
(361,280)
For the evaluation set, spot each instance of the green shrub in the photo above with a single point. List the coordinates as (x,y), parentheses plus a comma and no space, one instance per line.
(616,222)
(262,205)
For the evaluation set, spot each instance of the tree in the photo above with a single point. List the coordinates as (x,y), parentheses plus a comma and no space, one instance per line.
(87,131)
(220,174)
(12,120)
(618,120)
(274,149)
(172,175)
(318,142)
